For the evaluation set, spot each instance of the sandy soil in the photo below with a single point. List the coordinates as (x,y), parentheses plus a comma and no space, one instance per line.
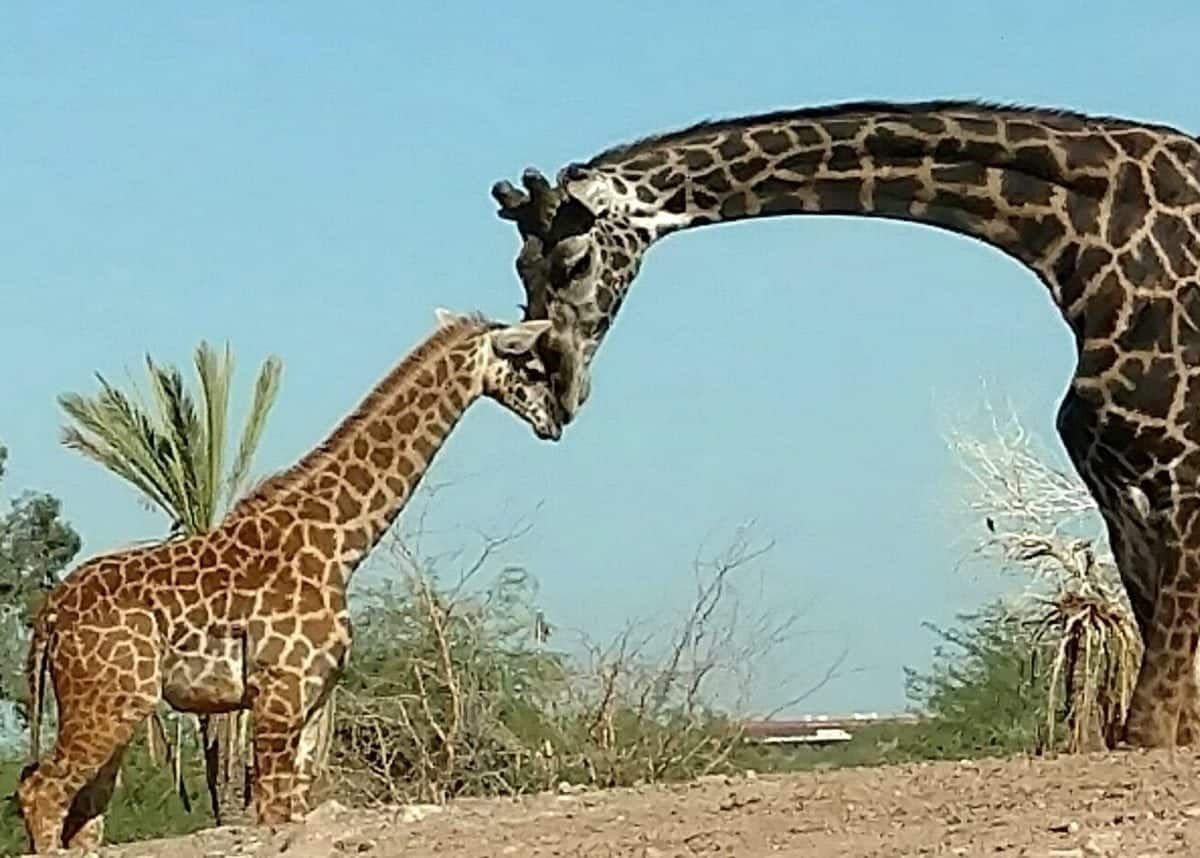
(1127,804)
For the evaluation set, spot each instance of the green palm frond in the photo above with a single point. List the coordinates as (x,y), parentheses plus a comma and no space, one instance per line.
(115,433)
(104,455)
(266,389)
(136,435)
(214,372)
(172,449)
(180,434)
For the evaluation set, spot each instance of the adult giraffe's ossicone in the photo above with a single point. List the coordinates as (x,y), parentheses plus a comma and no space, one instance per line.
(253,615)
(1105,211)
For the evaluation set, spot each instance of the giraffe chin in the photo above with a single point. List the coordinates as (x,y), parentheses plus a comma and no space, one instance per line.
(548,433)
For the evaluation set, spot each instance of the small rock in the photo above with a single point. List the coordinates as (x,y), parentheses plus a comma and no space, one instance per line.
(326,812)
(1071,827)
(417,812)
(1102,843)
(1193,811)
(291,839)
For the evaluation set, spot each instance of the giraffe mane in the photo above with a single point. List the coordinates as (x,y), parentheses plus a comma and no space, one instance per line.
(461,325)
(845,108)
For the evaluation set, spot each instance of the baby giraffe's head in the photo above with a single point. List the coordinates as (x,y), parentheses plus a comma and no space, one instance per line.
(514,375)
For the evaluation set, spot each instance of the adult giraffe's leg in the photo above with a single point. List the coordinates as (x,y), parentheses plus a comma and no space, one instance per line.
(1189,711)
(1168,665)
(1136,548)
(1136,539)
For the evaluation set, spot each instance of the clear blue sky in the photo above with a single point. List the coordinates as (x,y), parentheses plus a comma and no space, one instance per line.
(313,181)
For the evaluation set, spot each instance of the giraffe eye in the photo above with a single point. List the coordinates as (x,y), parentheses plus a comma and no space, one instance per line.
(580,267)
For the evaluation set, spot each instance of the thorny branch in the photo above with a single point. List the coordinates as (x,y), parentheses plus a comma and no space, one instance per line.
(1035,519)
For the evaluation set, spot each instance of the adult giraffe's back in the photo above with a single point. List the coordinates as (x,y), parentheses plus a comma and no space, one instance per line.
(1105,211)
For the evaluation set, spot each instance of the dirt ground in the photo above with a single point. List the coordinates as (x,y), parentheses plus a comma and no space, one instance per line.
(1127,804)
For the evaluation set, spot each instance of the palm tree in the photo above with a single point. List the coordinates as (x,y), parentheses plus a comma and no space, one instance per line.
(173,451)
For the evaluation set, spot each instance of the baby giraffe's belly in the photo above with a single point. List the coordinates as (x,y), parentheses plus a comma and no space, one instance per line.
(206,678)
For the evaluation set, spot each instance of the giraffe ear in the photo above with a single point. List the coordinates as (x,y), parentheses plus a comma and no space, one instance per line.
(519,338)
(444,317)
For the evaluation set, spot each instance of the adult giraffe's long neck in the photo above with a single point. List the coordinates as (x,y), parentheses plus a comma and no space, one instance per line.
(1060,192)
(342,496)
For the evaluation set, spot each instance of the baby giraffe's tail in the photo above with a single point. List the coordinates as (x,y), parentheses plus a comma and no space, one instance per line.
(36,669)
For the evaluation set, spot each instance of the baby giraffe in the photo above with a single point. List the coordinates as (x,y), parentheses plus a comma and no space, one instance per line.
(253,614)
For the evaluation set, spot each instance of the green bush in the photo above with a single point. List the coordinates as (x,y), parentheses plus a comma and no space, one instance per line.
(987,691)
(450,695)
(985,694)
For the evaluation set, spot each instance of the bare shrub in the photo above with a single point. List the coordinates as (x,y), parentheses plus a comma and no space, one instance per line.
(1040,523)
(454,690)
(666,702)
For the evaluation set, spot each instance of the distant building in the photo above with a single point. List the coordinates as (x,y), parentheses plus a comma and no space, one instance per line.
(819,729)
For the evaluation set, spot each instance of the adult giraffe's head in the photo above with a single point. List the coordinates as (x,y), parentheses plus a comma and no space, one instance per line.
(584,242)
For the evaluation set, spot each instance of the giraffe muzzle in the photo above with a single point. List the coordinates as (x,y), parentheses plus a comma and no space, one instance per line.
(550,432)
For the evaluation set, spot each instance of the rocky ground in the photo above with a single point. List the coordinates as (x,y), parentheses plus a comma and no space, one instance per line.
(1127,804)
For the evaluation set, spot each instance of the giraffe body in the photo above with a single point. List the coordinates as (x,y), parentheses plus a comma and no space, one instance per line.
(253,615)
(1105,211)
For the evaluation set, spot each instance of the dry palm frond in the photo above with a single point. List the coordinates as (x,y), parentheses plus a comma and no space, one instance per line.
(1095,663)
(1042,523)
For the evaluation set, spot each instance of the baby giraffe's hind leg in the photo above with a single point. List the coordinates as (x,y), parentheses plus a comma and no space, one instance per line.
(101,702)
(84,826)
(63,799)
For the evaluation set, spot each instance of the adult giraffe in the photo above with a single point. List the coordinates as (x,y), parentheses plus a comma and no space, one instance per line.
(253,614)
(1105,211)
